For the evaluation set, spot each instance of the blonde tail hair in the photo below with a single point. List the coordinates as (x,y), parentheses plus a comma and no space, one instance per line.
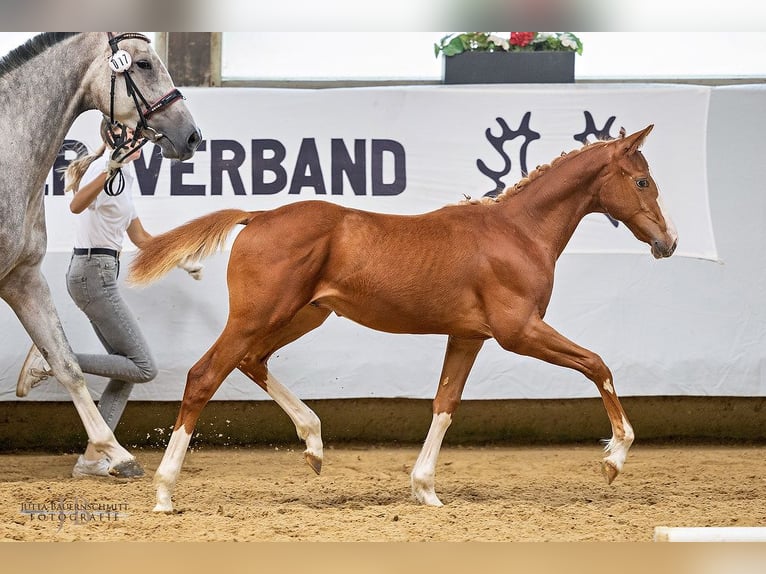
(194,240)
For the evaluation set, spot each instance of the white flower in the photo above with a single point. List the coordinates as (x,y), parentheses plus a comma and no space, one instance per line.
(500,42)
(568,41)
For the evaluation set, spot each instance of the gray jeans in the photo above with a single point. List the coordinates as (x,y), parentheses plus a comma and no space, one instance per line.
(92,284)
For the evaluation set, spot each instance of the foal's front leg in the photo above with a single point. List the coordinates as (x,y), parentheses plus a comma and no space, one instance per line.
(458,360)
(540,340)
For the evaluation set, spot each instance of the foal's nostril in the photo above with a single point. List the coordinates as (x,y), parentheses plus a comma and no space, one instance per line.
(661,249)
(194,140)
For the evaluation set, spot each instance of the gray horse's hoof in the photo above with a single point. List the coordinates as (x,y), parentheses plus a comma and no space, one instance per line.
(314,462)
(127,469)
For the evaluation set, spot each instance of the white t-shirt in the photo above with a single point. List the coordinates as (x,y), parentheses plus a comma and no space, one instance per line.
(104,222)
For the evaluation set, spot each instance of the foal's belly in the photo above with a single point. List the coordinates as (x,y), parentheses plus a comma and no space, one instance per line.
(395,316)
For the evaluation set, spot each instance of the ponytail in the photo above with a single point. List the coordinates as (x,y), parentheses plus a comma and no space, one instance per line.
(77,168)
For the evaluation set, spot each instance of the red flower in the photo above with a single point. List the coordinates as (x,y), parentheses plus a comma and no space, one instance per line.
(521,39)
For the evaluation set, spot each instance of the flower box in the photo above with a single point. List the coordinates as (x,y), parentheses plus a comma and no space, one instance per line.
(502,67)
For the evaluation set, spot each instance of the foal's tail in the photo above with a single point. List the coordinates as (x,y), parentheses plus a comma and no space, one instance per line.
(194,240)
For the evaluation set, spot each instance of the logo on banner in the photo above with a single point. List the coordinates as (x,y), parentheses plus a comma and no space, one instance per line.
(591,129)
(527,135)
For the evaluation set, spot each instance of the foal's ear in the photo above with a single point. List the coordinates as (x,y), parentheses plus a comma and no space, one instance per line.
(630,144)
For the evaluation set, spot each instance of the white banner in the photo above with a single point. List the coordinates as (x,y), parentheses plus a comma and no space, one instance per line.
(410,150)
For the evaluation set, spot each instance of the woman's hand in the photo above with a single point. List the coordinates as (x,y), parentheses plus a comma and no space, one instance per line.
(130,152)
(193,268)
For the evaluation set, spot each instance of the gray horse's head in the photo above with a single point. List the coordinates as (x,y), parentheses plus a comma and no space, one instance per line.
(142,95)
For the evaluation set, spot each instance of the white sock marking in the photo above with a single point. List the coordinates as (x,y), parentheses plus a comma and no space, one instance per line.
(307,423)
(422,477)
(617,449)
(169,469)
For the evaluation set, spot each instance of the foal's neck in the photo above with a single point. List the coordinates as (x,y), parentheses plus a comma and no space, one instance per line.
(554,201)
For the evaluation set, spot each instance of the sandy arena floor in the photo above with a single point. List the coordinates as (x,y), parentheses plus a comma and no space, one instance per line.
(490,494)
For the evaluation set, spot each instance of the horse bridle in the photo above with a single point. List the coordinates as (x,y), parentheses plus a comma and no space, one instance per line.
(120,63)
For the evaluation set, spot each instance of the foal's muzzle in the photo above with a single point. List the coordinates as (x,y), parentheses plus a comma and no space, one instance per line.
(661,249)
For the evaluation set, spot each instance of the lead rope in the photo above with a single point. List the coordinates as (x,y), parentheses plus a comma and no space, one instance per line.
(110,173)
(122,148)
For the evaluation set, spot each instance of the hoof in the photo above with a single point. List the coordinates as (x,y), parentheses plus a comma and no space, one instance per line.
(609,470)
(427,498)
(314,462)
(161,508)
(423,491)
(127,469)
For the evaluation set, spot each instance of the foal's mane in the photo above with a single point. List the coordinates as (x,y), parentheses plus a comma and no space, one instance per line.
(31,48)
(533,175)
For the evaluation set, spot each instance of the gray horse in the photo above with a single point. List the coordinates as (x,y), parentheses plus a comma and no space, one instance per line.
(44,85)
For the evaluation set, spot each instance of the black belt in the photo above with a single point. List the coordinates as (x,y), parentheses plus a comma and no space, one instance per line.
(96,251)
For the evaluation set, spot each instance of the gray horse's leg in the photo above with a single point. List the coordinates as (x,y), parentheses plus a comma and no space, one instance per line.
(27,292)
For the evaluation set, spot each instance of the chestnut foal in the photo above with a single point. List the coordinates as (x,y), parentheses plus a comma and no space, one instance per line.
(473,271)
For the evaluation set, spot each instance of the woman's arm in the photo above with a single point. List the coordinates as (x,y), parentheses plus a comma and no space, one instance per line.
(137,234)
(87,193)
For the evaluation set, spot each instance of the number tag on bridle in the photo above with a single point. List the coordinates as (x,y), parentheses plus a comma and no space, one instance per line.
(120,61)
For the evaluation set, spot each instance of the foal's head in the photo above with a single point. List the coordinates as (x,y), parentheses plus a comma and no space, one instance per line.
(630,195)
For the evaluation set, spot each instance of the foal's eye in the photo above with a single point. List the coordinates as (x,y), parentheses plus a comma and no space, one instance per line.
(642,182)
(144,65)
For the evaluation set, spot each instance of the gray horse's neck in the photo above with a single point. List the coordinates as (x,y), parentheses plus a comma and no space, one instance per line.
(39,101)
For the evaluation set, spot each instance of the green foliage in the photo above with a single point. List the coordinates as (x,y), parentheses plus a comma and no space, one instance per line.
(457,43)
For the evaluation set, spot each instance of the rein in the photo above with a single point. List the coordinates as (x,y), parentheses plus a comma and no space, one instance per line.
(120,63)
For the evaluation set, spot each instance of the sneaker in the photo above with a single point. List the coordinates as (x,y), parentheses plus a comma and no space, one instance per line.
(34,371)
(84,468)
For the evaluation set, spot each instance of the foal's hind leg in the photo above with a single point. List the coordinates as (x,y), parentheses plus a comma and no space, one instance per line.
(306,422)
(540,340)
(26,291)
(460,356)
